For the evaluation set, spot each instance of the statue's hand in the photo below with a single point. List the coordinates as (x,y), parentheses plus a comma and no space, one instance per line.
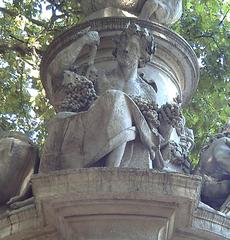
(153,143)
(91,38)
(148,9)
(13,200)
(91,72)
(169,114)
(157,158)
(169,117)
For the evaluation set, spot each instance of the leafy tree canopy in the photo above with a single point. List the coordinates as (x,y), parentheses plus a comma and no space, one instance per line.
(205,25)
(28,26)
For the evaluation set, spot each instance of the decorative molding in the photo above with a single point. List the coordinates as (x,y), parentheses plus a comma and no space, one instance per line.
(181,59)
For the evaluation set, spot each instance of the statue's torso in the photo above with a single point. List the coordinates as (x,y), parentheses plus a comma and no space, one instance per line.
(134,88)
(215,160)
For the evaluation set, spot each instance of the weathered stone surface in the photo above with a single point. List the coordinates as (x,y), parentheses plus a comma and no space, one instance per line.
(115,111)
(113,114)
(102,203)
(214,223)
(125,101)
(18,157)
(214,165)
(225,208)
(173,67)
(178,149)
(25,224)
(162,11)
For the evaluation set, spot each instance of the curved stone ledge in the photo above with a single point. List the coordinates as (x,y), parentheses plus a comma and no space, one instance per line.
(102,203)
(212,221)
(116,180)
(173,54)
(18,222)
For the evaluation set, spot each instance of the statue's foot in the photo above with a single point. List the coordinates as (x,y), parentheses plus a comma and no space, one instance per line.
(19,204)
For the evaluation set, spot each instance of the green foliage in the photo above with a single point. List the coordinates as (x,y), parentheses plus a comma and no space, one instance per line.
(26,29)
(205,25)
(28,26)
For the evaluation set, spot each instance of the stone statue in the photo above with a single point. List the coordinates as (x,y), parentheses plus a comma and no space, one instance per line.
(102,120)
(214,165)
(162,11)
(18,161)
(180,150)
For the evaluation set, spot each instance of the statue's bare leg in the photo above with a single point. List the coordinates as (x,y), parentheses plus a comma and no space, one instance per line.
(114,158)
(148,9)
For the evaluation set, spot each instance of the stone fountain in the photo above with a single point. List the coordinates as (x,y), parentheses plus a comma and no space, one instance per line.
(115,164)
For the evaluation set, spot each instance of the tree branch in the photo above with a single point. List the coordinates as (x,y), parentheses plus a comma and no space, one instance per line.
(16,47)
(211,36)
(8,12)
(60,8)
(14,14)
(22,49)
(225,15)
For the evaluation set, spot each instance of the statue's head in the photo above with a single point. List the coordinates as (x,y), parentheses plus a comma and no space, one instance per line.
(135,44)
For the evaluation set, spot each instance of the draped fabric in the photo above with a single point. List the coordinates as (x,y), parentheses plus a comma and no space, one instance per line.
(78,140)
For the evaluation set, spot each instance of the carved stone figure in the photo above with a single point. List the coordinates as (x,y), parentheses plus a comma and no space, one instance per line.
(18,161)
(162,11)
(76,140)
(180,150)
(214,165)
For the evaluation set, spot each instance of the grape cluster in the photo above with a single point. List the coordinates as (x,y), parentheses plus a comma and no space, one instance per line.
(149,110)
(80,94)
(179,156)
(170,113)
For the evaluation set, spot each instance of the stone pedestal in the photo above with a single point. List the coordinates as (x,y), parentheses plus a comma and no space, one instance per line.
(102,203)
(116,203)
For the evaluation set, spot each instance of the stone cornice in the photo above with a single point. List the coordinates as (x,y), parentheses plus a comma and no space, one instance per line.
(119,193)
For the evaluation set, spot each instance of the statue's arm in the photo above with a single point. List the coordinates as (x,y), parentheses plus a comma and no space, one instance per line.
(148,9)
(68,55)
(170,116)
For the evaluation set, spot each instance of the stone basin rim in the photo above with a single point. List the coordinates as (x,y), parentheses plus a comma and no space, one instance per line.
(121,171)
(113,24)
(78,27)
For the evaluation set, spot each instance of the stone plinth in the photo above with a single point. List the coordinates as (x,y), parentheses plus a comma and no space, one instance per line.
(115,204)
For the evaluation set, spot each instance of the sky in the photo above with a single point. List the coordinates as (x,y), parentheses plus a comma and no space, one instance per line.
(45,13)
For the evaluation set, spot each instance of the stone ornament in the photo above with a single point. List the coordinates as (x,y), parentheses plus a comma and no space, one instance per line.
(113,98)
(59,85)
(179,151)
(172,53)
(19,159)
(119,109)
(214,166)
(80,93)
(162,11)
